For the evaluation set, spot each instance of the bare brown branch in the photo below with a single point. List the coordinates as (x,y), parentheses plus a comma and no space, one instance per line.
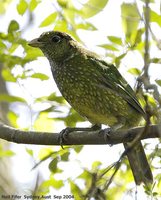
(76,138)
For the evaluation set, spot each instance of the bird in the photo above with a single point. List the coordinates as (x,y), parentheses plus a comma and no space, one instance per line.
(96,90)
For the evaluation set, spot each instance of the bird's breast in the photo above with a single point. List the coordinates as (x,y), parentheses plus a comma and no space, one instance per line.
(82,90)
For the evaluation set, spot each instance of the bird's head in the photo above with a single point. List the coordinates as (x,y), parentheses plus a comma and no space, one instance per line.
(55,45)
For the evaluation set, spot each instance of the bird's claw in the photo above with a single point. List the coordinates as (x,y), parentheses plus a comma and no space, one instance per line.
(63,135)
(106,133)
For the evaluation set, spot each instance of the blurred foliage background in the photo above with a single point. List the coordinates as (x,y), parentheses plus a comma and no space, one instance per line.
(30,100)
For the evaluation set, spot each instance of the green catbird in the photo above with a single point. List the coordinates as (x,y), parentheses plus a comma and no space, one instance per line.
(96,90)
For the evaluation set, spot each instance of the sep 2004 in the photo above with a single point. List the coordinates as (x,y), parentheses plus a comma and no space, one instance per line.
(63,196)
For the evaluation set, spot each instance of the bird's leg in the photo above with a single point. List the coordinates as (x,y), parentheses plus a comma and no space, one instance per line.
(107,132)
(64,133)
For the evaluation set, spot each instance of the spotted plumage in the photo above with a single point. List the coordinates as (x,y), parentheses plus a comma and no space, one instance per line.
(95,89)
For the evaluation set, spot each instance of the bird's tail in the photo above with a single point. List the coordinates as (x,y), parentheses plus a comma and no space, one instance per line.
(139,164)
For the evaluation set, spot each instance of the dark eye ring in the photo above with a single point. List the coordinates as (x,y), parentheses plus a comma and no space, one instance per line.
(56,39)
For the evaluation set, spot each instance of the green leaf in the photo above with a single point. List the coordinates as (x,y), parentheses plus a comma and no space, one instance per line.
(49,20)
(151,100)
(108,47)
(96,165)
(33,4)
(13,26)
(11,99)
(12,60)
(30,152)
(13,47)
(138,37)
(57,183)
(7,76)
(93,7)
(40,76)
(155,60)
(86,175)
(78,148)
(2,45)
(12,116)
(43,122)
(33,53)
(22,7)
(7,153)
(63,3)
(86,26)
(119,58)
(54,183)
(69,15)
(155,194)
(76,191)
(53,165)
(62,25)
(116,40)
(72,118)
(134,71)
(45,153)
(130,18)
(65,156)
(158,82)
(154,17)
(53,97)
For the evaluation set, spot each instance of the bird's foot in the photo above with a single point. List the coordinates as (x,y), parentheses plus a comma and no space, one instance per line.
(63,135)
(106,133)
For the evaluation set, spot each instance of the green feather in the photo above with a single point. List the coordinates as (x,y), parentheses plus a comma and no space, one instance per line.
(112,79)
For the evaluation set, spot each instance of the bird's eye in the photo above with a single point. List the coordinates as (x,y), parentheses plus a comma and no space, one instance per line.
(56,39)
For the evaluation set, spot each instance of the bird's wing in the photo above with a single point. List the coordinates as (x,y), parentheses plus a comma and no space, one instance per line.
(111,78)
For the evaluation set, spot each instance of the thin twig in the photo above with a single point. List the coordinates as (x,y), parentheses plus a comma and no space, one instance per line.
(117,166)
(145,77)
(146,53)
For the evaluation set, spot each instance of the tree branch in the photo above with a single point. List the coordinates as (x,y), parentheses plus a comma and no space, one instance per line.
(76,138)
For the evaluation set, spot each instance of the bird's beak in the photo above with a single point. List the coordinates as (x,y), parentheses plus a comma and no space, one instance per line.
(35,43)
